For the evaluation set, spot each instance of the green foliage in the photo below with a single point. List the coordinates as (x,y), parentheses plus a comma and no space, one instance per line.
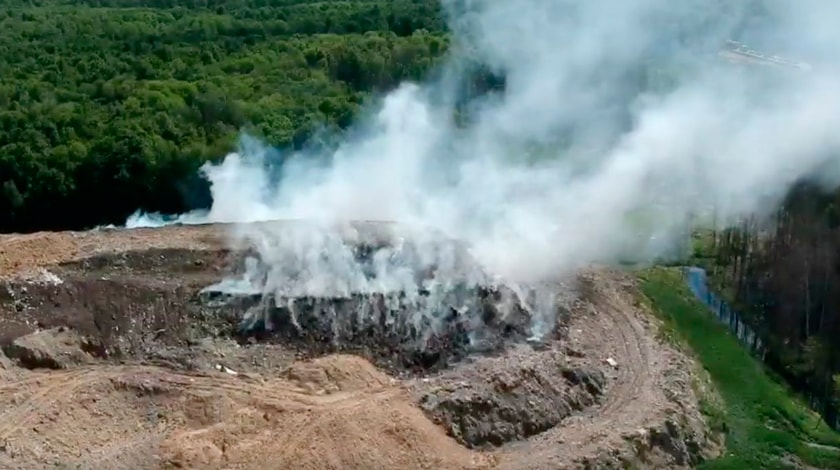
(780,276)
(111,105)
(836,397)
(765,425)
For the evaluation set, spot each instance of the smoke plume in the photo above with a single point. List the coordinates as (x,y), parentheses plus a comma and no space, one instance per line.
(618,120)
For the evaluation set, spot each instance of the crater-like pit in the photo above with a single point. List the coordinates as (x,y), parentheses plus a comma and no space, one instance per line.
(387,326)
(414,304)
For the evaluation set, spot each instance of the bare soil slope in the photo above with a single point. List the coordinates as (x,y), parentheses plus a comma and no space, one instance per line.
(148,417)
(109,362)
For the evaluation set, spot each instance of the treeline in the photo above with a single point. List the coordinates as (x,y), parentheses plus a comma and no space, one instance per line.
(111,105)
(107,106)
(783,278)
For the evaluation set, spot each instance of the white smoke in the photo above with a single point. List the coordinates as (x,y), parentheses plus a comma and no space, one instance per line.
(580,159)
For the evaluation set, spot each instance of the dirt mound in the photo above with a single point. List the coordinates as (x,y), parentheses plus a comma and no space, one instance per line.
(56,348)
(382,430)
(20,254)
(348,416)
(336,373)
(76,418)
(342,414)
(511,397)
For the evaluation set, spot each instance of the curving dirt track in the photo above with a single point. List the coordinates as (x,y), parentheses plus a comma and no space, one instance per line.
(173,402)
(651,383)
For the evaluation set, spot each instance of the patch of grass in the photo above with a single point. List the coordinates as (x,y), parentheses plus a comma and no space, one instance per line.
(765,425)
(715,414)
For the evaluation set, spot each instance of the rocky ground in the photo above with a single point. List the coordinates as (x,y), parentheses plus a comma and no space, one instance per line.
(112,359)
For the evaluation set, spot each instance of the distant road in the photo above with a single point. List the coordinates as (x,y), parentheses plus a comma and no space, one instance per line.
(738,52)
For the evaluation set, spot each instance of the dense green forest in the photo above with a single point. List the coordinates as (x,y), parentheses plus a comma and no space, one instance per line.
(111,105)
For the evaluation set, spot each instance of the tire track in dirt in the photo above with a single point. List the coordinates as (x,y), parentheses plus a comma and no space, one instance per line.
(128,454)
(60,390)
(634,400)
(55,388)
(633,391)
(244,384)
(635,372)
(58,386)
(46,393)
(277,393)
(50,387)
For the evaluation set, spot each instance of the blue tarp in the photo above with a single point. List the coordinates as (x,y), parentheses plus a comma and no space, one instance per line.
(699,285)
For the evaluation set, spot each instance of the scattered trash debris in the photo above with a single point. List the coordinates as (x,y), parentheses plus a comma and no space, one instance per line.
(226,370)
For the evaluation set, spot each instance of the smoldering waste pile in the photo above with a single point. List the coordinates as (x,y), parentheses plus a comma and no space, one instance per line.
(416,302)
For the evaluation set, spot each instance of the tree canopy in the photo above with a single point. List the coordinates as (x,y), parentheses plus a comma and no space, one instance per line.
(107,106)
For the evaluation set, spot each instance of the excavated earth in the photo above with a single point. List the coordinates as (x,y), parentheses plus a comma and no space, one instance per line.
(116,354)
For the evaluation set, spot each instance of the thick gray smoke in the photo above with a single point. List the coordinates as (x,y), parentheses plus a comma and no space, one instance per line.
(618,121)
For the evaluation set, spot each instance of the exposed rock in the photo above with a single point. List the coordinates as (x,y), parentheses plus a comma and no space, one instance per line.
(514,400)
(669,445)
(56,348)
(5,363)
